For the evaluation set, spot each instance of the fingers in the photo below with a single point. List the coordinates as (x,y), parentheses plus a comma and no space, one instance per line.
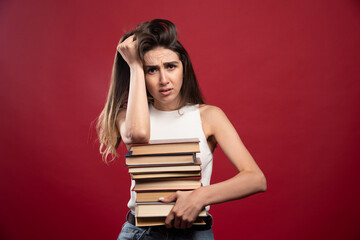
(169,219)
(127,50)
(184,224)
(126,45)
(177,222)
(128,42)
(171,198)
(183,214)
(189,225)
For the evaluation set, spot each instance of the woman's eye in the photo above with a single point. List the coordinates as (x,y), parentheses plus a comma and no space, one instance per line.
(171,66)
(151,70)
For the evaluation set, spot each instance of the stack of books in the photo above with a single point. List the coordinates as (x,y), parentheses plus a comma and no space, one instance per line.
(160,168)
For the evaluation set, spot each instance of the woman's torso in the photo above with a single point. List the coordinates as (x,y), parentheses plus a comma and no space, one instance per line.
(183,123)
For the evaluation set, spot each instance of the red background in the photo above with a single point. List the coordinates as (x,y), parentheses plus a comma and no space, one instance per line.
(285,72)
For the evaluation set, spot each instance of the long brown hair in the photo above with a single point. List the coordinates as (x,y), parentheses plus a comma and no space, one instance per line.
(152,34)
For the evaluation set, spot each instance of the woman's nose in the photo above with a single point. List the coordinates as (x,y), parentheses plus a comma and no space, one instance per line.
(163,78)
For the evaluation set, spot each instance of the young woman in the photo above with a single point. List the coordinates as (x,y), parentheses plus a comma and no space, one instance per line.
(154,95)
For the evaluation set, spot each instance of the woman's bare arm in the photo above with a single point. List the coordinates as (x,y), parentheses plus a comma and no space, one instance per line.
(134,121)
(250,178)
(248,181)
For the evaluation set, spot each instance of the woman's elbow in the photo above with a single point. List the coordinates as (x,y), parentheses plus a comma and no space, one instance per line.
(137,136)
(261,182)
(141,137)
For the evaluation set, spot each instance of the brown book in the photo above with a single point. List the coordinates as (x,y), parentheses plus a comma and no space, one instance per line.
(136,176)
(162,169)
(181,158)
(173,184)
(152,196)
(155,213)
(157,209)
(166,146)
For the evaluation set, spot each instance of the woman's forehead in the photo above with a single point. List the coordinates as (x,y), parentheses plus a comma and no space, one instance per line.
(160,55)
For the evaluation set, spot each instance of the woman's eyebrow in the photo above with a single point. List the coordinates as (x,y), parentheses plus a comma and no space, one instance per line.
(165,63)
(172,62)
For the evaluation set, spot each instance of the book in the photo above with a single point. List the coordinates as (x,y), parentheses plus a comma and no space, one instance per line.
(157,209)
(166,184)
(154,214)
(165,146)
(162,169)
(136,176)
(152,196)
(154,159)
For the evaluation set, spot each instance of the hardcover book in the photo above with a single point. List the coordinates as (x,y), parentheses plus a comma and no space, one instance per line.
(166,146)
(154,159)
(173,184)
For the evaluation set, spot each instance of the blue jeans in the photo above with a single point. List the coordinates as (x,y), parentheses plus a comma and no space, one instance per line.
(132,232)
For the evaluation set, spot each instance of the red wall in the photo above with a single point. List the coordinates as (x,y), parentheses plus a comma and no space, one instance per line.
(285,72)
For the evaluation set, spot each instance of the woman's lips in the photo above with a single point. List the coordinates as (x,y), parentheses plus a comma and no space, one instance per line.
(166,91)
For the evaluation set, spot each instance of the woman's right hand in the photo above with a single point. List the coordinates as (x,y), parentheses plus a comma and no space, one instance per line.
(127,49)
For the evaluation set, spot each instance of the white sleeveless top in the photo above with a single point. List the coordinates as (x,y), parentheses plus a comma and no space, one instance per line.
(182,123)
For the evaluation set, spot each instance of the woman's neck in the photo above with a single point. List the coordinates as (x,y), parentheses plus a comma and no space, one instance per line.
(166,106)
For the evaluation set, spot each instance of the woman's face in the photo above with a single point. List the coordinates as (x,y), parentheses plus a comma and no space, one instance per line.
(164,77)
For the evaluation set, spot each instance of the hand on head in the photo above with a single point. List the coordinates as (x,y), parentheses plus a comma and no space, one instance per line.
(128,51)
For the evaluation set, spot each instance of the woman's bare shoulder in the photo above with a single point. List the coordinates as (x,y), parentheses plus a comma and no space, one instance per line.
(211,117)
(210,111)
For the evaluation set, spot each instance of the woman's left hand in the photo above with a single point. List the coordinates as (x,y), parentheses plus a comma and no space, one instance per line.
(185,211)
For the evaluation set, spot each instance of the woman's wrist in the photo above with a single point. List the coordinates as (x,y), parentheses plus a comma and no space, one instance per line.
(136,66)
(200,196)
